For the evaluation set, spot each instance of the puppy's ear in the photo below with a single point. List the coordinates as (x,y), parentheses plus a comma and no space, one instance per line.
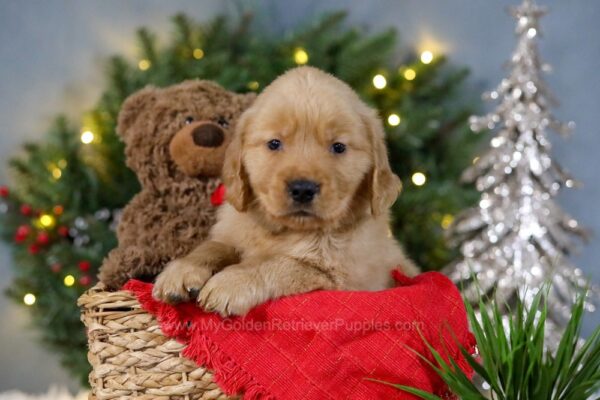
(234,172)
(385,186)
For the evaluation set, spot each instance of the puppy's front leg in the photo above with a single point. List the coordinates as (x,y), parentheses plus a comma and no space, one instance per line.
(238,288)
(183,278)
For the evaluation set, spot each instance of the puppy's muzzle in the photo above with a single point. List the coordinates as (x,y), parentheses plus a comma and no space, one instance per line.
(303,191)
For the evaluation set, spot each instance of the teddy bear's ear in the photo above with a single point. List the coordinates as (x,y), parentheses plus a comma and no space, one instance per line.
(133,107)
(247,99)
(239,103)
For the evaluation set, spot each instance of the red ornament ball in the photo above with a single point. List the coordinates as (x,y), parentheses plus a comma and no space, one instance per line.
(22,232)
(26,210)
(33,249)
(85,280)
(63,231)
(4,192)
(84,266)
(43,238)
(56,267)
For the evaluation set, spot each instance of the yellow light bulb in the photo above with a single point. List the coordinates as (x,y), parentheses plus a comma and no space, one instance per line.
(410,74)
(300,56)
(198,54)
(253,85)
(379,81)
(87,137)
(69,280)
(394,120)
(426,57)
(447,220)
(62,163)
(47,221)
(418,178)
(56,173)
(144,64)
(29,299)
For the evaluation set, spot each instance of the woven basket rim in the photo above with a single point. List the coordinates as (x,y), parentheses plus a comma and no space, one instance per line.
(131,357)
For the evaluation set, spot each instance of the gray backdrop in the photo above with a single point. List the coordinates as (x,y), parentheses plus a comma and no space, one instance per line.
(51,55)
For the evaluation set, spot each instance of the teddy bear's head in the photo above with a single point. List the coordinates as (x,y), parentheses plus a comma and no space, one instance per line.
(179,132)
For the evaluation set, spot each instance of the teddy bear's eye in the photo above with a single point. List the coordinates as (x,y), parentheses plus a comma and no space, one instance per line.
(223,122)
(189,120)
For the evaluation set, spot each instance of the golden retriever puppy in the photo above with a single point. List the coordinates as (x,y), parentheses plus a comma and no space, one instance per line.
(309,187)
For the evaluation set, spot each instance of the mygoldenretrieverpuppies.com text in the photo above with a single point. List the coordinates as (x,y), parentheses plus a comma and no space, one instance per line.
(338,324)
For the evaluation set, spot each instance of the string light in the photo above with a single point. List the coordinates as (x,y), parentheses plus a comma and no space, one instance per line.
(198,54)
(87,137)
(69,280)
(253,85)
(379,81)
(47,221)
(29,299)
(144,64)
(62,164)
(58,210)
(394,120)
(300,56)
(418,178)
(447,220)
(409,74)
(426,57)
(56,173)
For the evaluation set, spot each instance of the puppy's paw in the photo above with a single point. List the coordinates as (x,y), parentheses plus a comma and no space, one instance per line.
(233,291)
(180,281)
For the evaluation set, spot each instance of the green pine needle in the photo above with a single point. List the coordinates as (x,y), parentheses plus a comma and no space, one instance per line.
(514,359)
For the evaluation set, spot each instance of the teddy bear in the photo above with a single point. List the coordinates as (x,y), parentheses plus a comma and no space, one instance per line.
(175,140)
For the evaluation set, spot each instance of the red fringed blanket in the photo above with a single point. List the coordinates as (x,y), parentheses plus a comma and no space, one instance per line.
(325,344)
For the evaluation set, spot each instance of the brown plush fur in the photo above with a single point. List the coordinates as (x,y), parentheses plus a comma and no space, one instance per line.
(264,244)
(175,141)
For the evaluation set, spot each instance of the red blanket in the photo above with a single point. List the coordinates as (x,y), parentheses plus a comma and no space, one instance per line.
(325,344)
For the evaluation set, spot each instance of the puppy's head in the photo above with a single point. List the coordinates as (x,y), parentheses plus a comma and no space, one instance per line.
(309,154)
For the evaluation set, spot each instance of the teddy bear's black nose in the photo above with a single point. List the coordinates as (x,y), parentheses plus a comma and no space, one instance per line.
(208,135)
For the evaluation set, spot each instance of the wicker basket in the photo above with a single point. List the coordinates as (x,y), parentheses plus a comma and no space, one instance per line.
(132,359)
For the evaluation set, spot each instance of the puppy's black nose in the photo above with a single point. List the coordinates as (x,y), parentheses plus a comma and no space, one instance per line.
(303,191)
(208,135)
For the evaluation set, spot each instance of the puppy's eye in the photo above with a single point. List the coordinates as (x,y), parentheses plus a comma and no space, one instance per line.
(189,120)
(223,122)
(274,144)
(338,148)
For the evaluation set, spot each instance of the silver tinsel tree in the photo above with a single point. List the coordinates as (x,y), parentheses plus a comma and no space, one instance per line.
(517,237)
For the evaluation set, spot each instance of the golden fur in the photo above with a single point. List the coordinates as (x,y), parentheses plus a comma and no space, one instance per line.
(264,245)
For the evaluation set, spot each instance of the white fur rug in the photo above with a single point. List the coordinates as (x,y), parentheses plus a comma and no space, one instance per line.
(53,394)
